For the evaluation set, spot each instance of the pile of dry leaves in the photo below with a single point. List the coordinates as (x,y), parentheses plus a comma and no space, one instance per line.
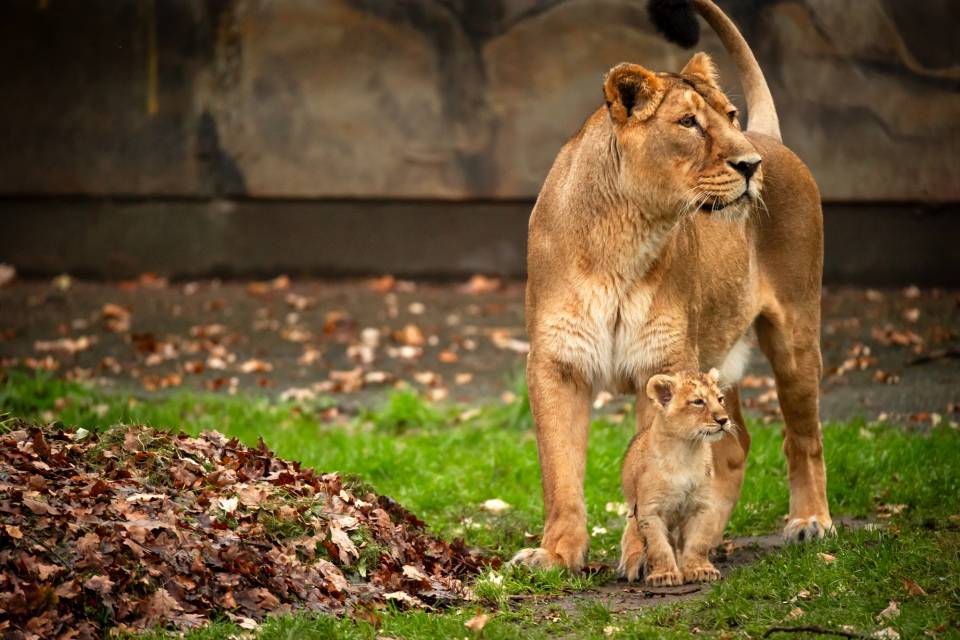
(137,527)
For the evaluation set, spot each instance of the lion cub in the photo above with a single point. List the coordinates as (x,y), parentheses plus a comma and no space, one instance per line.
(667,476)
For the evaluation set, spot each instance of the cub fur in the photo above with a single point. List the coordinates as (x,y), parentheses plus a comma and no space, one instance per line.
(667,476)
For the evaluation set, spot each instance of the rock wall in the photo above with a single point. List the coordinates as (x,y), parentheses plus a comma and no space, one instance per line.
(449,99)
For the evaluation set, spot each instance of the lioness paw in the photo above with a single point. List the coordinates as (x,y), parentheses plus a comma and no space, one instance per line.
(537,558)
(701,573)
(631,566)
(804,529)
(669,578)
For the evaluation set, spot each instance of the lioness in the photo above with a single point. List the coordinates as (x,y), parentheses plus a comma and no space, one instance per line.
(667,475)
(651,250)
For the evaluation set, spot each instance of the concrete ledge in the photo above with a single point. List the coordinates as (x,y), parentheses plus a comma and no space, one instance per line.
(871,244)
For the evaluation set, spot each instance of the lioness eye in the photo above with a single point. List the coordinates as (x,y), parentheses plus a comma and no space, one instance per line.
(720,399)
(732,115)
(687,121)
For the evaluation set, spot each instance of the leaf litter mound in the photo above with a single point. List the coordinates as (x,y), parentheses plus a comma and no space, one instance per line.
(136,527)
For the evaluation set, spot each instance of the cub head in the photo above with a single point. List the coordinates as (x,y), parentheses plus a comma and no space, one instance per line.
(679,141)
(690,405)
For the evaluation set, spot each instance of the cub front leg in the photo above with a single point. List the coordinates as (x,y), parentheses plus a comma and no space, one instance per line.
(697,540)
(560,402)
(662,570)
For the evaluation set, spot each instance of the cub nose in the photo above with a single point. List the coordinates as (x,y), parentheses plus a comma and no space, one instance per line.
(746,165)
(721,420)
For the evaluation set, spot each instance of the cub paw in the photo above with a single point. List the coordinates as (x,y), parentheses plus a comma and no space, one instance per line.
(701,573)
(805,529)
(631,566)
(668,578)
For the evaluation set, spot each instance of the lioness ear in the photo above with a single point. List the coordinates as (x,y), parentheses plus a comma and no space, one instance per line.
(660,389)
(631,90)
(714,374)
(701,66)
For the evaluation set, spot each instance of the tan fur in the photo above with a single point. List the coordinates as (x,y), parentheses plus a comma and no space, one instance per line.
(650,252)
(667,482)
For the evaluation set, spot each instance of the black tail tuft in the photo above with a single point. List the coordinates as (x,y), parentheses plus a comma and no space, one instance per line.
(676,20)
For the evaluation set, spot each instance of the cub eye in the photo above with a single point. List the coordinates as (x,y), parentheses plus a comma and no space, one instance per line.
(687,121)
(720,399)
(732,114)
(698,402)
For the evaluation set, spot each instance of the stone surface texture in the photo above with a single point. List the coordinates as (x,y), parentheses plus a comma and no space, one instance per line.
(448,99)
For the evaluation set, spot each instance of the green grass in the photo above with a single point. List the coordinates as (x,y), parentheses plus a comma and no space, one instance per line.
(443,468)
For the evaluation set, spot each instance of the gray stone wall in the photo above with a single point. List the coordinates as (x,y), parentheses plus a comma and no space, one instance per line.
(449,99)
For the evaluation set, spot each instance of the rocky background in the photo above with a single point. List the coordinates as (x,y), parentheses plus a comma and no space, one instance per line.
(439,99)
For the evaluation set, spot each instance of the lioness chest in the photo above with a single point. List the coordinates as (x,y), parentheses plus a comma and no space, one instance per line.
(618,331)
(615,339)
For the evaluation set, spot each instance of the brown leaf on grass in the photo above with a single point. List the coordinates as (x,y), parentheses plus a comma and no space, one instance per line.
(477,622)
(912,587)
(892,611)
(885,510)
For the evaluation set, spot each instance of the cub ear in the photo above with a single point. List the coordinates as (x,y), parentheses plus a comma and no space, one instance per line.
(701,65)
(631,90)
(714,374)
(660,389)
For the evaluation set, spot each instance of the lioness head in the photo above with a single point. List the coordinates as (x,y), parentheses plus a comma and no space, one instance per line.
(691,405)
(679,141)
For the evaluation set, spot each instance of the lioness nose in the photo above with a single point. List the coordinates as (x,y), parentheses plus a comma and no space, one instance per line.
(746,165)
(721,420)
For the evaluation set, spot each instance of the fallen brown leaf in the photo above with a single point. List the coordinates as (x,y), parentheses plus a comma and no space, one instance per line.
(477,622)
(912,587)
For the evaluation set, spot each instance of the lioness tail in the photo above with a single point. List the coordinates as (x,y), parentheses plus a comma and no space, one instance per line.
(677,21)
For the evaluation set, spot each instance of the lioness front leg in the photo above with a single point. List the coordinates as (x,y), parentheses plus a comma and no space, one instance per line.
(560,402)
(633,551)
